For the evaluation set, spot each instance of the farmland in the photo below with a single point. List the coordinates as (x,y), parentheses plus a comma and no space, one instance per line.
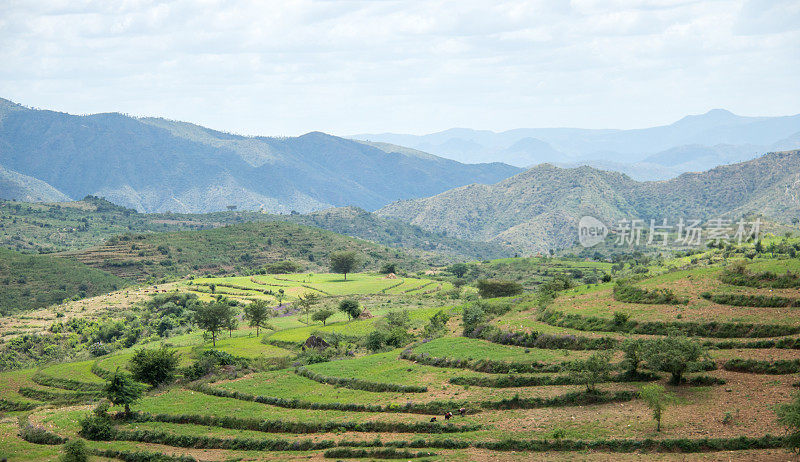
(511,377)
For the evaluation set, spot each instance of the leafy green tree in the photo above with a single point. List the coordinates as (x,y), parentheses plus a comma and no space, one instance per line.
(306,304)
(322,315)
(351,308)
(458,269)
(154,366)
(436,325)
(281,294)
(74,450)
(472,316)
(400,319)
(672,354)
(490,288)
(213,317)
(634,350)
(122,390)
(389,268)
(345,262)
(657,399)
(257,313)
(789,417)
(589,372)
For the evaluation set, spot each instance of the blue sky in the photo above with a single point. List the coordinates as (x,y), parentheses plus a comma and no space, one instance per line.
(344,67)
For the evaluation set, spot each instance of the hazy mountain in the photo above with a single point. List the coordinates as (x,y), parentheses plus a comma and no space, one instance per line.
(715,138)
(160,165)
(14,185)
(539,208)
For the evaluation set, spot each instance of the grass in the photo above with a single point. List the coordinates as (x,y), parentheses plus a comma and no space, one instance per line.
(467,348)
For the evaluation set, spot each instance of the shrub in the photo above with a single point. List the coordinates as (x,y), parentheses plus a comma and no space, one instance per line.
(98,428)
(780,367)
(386,453)
(154,366)
(491,288)
(74,451)
(627,293)
(739,276)
(759,301)
(38,435)
(588,372)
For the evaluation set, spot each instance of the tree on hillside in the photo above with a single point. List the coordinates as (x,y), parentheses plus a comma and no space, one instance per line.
(305,303)
(389,268)
(345,262)
(213,317)
(589,372)
(458,269)
(490,288)
(280,295)
(657,400)
(257,313)
(672,354)
(154,366)
(350,308)
(323,315)
(121,390)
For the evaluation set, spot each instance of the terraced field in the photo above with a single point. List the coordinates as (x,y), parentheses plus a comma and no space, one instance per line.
(380,405)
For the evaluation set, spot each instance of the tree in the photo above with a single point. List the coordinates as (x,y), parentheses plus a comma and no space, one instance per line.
(322,315)
(350,308)
(634,350)
(389,268)
(154,366)
(490,288)
(232,323)
(306,303)
(122,390)
(458,269)
(589,372)
(280,295)
(345,262)
(436,325)
(657,400)
(257,313)
(213,317)
(789,417)
(672,354)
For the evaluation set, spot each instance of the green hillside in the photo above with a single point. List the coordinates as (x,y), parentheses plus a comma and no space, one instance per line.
(35,281)
(539,209)
(229,249)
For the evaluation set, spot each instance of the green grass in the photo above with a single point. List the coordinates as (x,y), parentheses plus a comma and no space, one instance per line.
(80,371)
(474,349)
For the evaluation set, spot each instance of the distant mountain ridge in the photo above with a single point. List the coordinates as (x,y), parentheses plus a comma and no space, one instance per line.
(715,138)
(157,165)
(539,209)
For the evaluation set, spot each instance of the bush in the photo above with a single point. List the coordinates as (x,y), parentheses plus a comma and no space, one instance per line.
(38,435)
(386,453)
(74,451)
(759,301)
(780,367)
(154,366)
(739,276)
(590,371)
(627,293)
(491,288)
(96,427)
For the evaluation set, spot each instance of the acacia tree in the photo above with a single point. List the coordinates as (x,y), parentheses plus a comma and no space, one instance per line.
(305,303)
(596,368)
(213,317)
(122,390)
(322,315)
(350,308)
(673,355)
(657,400)
(257,313)
(345,262)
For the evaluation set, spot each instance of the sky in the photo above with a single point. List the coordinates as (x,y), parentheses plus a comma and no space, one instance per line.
(345,67)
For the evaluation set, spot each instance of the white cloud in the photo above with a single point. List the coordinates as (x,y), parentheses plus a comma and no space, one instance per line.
(287,67)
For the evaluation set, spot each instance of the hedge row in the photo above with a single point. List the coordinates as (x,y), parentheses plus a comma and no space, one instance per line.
(386,453)
(684,445)
(692,329)
(65,384)
(510,381)
(784,343)
(767,279)
(11,406)
(578,398)
(140,456)
(539,340)
(358,384)
(283,426)
(480,365)
(210,442)
(39,435)
(631,294)
(758,301)
(704,381)
(60,397)
(784,366)
(433,407)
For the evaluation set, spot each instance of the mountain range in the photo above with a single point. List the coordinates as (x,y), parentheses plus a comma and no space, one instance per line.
(158,165)
(693,143)
(539,209)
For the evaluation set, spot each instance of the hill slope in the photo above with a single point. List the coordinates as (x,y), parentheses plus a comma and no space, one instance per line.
(159,165)
(35,281)
(227,249)
(539,209)
(20,187)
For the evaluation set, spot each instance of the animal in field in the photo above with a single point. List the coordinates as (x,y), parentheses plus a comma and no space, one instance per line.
(448,415)
(433,419)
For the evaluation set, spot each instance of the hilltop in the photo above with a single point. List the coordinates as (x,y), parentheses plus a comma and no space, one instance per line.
(539,209)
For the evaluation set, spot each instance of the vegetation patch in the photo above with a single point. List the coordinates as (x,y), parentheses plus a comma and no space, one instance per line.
(385,453)
(759,301)
(358,384)
(787,366)
(628,293)
(738,275)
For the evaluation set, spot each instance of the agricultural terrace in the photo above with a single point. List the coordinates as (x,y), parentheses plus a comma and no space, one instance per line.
(509,370)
